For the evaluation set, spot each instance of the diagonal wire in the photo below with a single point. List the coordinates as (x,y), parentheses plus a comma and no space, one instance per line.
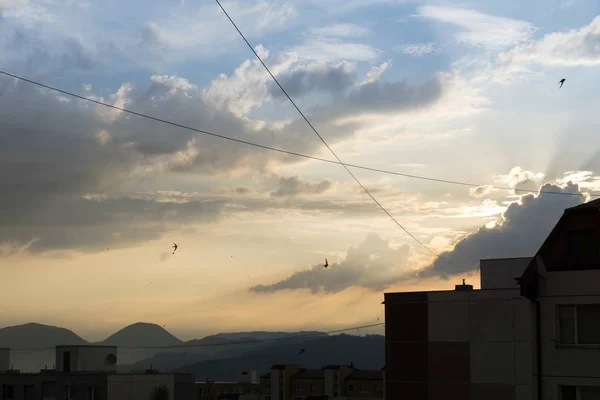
(288,152)
(333,152)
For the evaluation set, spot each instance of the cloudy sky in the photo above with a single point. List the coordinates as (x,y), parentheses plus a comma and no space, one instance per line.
(91,199)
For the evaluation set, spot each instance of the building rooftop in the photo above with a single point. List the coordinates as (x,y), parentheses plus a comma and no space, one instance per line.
(59,346)
(590,204)
(366,374)
(309,374)
(283,366)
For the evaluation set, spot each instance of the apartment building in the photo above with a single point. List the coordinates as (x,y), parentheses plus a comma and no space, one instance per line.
(247,384)
(88,373)
(531,332)
(333,382)
(562,281)
(364,384)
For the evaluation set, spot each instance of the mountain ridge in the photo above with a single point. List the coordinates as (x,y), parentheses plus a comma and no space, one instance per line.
(153,339)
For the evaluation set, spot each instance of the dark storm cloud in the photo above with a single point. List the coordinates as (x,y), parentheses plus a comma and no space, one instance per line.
(54,150)
(331,79)
(522,230)
(373,264)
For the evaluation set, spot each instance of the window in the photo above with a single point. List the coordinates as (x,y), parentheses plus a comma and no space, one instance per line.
(583,247)
(69,393)
(299,387)
(8,391)
(313,387)
(363,388)
(378,389)
(92,393)
(579,324)
(268,386)
(350,388)
(579,393)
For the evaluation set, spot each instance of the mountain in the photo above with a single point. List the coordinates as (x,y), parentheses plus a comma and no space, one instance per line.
(365,352)
(34,335)
(141,334)
(219,346)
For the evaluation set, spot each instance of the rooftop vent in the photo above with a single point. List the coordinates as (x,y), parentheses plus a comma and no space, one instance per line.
(463,287)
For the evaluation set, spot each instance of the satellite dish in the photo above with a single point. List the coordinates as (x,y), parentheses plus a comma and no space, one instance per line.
(111,359)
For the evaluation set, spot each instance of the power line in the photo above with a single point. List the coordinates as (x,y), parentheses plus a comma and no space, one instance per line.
(292,153)
(436,254)
(308,335)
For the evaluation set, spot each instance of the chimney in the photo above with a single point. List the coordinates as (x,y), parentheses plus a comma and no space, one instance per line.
(463,287)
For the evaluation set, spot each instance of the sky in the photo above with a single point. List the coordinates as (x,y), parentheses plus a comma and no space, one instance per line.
(92,199)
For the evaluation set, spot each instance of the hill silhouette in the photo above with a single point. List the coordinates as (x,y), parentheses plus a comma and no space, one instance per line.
(221,345)
(37,335)
(365,352)
(141,334)
(33,335)
(151,336)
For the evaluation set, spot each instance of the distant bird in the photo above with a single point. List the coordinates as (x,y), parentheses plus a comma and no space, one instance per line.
(301,351)
(326,264)
(562,82)
(174,247)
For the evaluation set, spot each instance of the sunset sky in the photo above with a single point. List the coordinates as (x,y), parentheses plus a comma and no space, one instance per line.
(92,199)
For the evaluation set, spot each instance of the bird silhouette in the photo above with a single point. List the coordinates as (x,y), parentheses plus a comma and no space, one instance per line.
(326,264)
(301,351)
(562,82)
(174,247)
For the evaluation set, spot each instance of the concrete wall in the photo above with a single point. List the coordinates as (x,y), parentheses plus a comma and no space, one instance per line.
(86,358)
(4,359)
(486,333)
(275,384)
(138,387)
(500,273)
(567,364)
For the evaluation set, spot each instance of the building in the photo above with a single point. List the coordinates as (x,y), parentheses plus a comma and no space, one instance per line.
(530,332)
(247,384)
(562,282)
(333,382)
(308,382)
(364,384)
(90,373)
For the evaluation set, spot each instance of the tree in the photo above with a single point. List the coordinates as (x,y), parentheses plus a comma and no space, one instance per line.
(160,393)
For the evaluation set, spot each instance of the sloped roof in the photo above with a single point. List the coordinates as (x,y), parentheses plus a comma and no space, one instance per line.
(589,204)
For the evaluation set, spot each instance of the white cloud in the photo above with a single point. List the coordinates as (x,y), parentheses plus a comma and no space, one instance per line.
(207,28)
(518,176)
(575,47)
(417,49)
(247,87)
(341,31)
(375,72)
(323,49)
(480,29)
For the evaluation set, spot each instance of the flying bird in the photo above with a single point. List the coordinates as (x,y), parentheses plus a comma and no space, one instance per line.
(562,82)
(326,264)
(301,351)
(174,247)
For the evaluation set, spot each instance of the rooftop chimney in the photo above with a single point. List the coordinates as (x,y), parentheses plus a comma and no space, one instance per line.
(463,287)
